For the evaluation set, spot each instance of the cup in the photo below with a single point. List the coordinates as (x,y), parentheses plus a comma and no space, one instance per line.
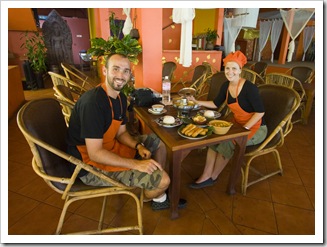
(157,108)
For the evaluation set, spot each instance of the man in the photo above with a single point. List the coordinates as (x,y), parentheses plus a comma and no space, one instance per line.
(97,134)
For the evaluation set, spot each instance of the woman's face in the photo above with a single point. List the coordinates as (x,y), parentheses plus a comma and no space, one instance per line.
(232,71)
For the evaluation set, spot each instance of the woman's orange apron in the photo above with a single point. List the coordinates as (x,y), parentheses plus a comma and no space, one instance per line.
(110,143)
(241,116)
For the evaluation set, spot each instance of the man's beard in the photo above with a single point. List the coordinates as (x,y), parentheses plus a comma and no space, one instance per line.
(120,85)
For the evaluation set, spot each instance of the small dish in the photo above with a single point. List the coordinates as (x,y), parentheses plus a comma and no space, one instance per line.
(216,114)
(160,122)
(157,113)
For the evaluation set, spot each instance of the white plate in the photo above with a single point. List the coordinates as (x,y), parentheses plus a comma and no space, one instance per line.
(190,137)
(178,122)
(217,114)
(157,113)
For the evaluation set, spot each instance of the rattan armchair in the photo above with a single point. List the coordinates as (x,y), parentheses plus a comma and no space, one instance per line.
(168,69)
(75,89)
(66,100)
(78,76)
(280,104)
(252,76)
(44,128)
(199,78)
(291,82)
(260,68)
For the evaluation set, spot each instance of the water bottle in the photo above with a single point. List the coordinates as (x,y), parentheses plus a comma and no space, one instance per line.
(166,86)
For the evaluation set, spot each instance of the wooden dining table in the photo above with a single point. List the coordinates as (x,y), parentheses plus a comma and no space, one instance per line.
(179,147)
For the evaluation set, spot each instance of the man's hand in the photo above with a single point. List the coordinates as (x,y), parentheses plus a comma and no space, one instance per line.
(148,166)
(144,152)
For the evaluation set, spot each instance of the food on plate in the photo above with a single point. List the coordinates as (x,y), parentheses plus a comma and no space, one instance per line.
(193,131)
(199,119)
(168,120)
(209,114)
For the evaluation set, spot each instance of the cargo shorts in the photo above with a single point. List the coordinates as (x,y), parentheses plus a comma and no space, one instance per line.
(131,178)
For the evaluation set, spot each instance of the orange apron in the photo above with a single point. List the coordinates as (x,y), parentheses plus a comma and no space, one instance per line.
(241,116)
(110,143)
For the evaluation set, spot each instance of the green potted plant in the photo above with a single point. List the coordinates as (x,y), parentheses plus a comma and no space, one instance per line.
(36,54)
(211,36)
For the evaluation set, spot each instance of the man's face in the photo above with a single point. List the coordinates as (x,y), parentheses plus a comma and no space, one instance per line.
(118,72)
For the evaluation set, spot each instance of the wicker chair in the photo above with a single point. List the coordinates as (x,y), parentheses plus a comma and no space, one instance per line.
(280,103)
(215,83)
(198,79)
(44,128)
(66,100)
(260,68)
(252,76)
(306,76)
(168,70)
(291,82)
(75,89)
(78,76)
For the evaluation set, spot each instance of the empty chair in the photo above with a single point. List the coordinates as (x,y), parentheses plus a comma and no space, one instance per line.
(280,103)
(260,68)
(66,100)
(198,77)
(306,76)
(303,73)
(291,82)
(75,89)
(168,70)
(44,128)
(78,76)
(252,76)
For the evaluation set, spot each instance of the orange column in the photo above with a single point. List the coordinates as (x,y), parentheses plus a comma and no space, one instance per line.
(219,23)
(148,73)
(284,46)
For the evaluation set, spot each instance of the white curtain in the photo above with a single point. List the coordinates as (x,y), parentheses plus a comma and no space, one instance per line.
(231,32)
(185,17)
(276,29)
(308,33)
(265,27)
(295,20)
(128,25)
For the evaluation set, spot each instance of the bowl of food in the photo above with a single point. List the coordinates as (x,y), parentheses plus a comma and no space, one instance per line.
(220,127)
(199,119)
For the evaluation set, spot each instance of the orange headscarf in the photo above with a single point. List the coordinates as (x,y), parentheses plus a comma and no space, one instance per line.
(237,57)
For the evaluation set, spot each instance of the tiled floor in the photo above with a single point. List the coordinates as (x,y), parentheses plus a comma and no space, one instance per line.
(281,205)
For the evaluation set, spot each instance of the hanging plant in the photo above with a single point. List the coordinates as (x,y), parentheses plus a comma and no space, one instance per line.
(126,46)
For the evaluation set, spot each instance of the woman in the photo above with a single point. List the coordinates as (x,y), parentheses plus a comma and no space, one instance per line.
(243,99)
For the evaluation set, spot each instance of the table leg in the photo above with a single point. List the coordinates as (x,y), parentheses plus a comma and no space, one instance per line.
(175,162)
(236,164)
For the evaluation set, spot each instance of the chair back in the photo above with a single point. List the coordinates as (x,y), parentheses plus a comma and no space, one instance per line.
(252,76)
(199,75)
(42,120)
(260,68)
(285,80)
(74,88)
(280,103)
(66,100)
(168,70)
(302,73)
(74,74)
(216,81)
